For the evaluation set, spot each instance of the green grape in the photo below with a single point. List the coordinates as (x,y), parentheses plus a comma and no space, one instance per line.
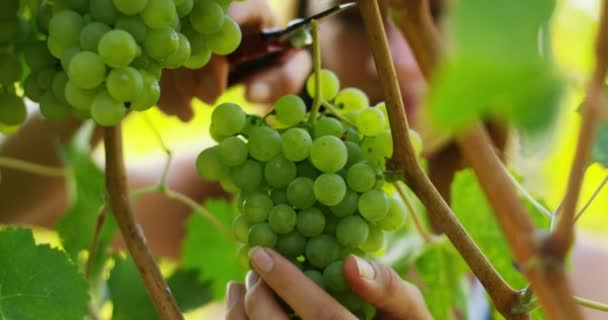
(11,69)
(184,8)
(331,222)
(32,89)
(291,245)
(328,154)
(55,47)
(352,231)
(322,250)
(207,17)
(199,60)
(351,135)
(216,135)
(279,196)
(103,11)
(82,114)
(327,126)
(124,84)
(149,94)
(306,169)
(80,99)
(261,235)
(58,86)
(159,14)
(243,257)
(233,151)
(290,110)
(395,218)
(370,121)
(45,78)
(130,7)
(382,107)
(228,119)
(240,228)
(334,276)
(91,34)
(106,110)
(161,43)
(209,164)
(67,56)
(43,18)
(347,206)
(361,177)
(133,25)
(264,143)
(87,71)
(248,176)
(282,219)
(65,26)
(330,84)
(300,193)
(228,185)
(373,205)
(372,151)
(354,304)
(296,144)
(279,172)
(181,55)
(257,206)
(316,276)
(226,40)
(52,108)
(329,189)
(355,154)
(384,143)
(80,6)
(416,140)
(374,241)
(12,109)
(117,48)
(251,122)
(155,70)
(351,99)
(38,57)
(311,222)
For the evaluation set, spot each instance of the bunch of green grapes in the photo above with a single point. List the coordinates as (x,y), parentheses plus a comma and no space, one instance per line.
(14,30)
(312,190)
(97,58)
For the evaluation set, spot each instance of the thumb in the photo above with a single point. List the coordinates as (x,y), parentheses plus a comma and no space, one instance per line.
(381,286)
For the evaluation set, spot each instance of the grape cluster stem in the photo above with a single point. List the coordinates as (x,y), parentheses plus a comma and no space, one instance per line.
(116,185)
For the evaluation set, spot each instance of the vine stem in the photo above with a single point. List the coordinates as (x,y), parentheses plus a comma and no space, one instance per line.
(591,304)
(116,185)
(31,167)
(546,212)
(101,219)
(316,62)
(593,196)
(562,237)
(331,109)
(417,221)
(406,162)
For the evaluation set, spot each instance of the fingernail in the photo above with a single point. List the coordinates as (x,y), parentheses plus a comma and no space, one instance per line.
(233,295)
(259,91)
(251,279)
(261,260)
(366,270)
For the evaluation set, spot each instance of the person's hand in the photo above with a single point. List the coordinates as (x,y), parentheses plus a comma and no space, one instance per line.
(287,76)
(375,283)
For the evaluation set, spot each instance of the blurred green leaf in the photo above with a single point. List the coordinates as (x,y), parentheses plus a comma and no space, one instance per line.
(496,68)
(211,252)
(443,273)
(86,192)
(37,281)
(600,148)
(130,298)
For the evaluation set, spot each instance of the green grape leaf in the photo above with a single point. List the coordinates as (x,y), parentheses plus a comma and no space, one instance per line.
(472,208)
(600,148)
(86,187)
(208,250)
(495,68)
(37,281)
(443,273)
(130,298)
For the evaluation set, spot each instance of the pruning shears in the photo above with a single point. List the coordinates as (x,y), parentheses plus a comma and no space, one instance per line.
(259,49)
